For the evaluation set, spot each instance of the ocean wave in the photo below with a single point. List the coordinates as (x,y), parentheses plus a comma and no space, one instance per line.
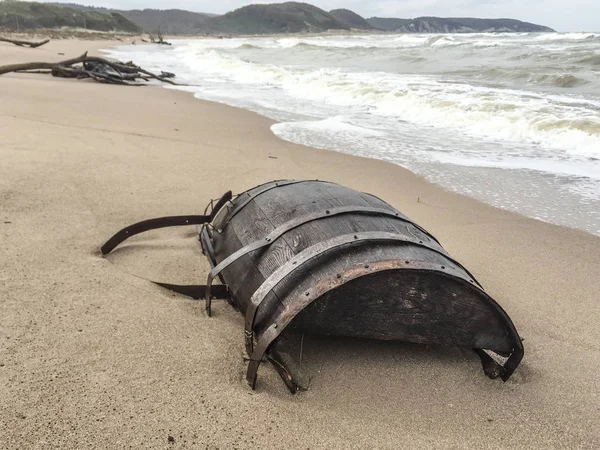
(495,113)
(564,124)
(325,43)
(589,126)
(247,46)
(411,39)
(592,59)
(508,101)
(334,125)
(443,41)
(345,48)
(566,36)
(556,166)
(560,80)
(565,58)
(543,47)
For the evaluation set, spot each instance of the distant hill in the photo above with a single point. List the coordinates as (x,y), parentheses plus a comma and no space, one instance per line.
(290,17)
(170,21)
(82,7)
(388,24)
(350,19)
(26,16)
(454,25)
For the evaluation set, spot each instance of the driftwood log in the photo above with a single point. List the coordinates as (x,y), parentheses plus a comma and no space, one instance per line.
(160,39)
(98,69)
(24,43)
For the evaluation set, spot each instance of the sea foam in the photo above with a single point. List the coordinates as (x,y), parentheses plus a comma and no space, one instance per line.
(516,102)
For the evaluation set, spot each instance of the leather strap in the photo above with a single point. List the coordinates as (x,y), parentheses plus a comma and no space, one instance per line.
(161,222)
(196,291)
(193,291)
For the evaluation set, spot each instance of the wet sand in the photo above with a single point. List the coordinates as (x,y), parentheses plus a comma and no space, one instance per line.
(93,356)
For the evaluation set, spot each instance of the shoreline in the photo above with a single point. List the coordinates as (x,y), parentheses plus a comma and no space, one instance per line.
(92,355)
(536,188)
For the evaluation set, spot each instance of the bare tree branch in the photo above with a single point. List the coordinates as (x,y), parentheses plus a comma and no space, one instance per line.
(24,43)
(99,69)
(40,65)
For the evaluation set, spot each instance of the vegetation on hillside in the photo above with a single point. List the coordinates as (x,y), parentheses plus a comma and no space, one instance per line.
(454,25)
(170,21)
(350,19)
(290,17)
(16,15)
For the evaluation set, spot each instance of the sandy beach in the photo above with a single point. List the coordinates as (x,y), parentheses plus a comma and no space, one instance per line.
(94,356)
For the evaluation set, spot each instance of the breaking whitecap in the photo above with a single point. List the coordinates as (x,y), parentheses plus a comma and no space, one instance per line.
(511,119)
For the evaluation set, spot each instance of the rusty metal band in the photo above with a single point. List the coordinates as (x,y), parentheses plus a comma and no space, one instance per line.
(513,362)
(226,197)
(209,251)
(319,249)
(207,247)
(295,223)
(265,188)
(326,285)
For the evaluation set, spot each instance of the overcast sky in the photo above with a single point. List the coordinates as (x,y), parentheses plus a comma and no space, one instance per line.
(562,15)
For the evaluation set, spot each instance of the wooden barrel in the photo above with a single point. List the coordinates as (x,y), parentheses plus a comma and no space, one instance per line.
(317,257)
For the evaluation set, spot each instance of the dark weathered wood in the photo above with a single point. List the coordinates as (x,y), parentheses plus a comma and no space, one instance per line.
(40,65)
(41,71)
(252,225)
(160,39)
(20,43)
(279,205)
(99,69)
(441,304)
(433,309)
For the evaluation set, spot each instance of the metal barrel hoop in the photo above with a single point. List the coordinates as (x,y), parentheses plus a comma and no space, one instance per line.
(295,223)
(318,249)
